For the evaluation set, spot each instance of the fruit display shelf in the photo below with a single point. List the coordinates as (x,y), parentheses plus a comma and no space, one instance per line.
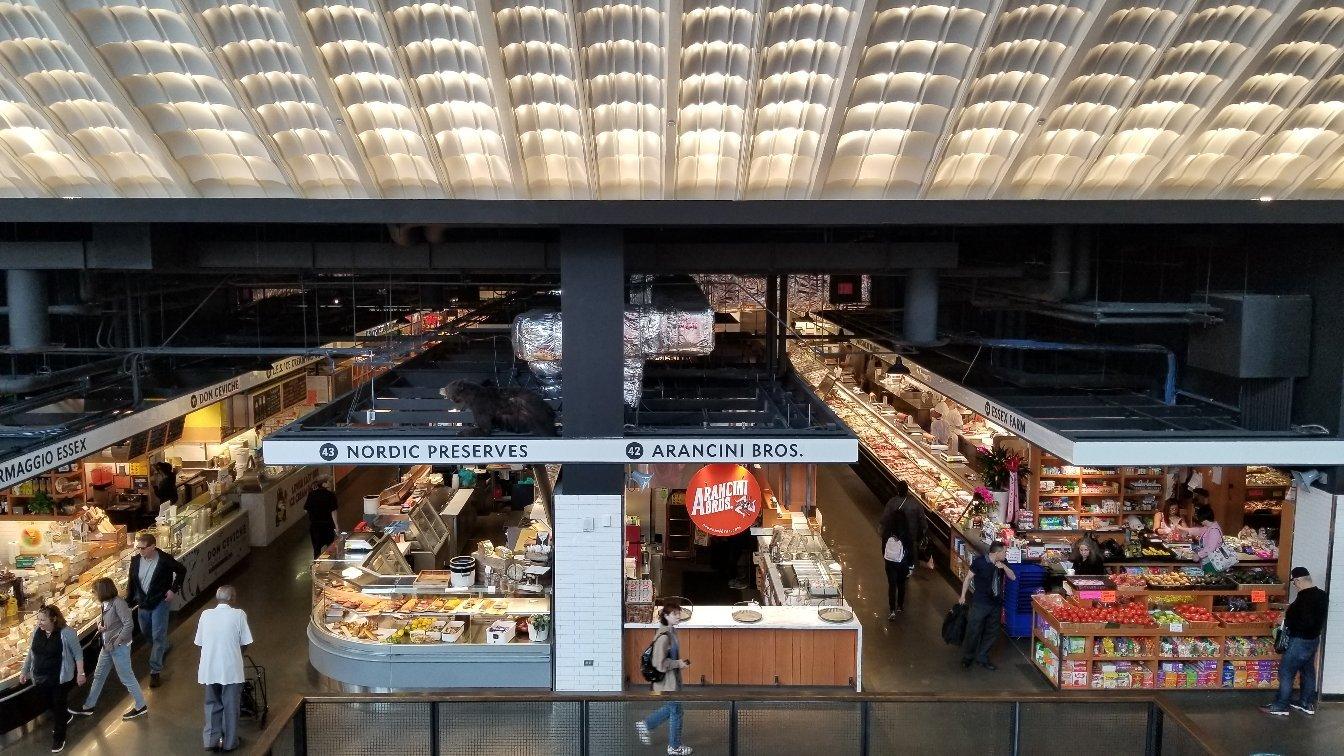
(1173,656)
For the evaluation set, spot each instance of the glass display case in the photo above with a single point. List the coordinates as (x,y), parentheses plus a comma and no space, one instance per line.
(371,596)
(72,595)
(195,522)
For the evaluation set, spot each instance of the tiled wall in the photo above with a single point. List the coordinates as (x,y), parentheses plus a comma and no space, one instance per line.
(588,587)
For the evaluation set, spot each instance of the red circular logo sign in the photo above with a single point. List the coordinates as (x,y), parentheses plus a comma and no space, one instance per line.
(723,500)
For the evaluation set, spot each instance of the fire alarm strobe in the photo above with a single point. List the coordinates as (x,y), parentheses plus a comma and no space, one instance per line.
(723,500)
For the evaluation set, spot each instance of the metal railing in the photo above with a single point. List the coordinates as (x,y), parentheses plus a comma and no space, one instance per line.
(767,723)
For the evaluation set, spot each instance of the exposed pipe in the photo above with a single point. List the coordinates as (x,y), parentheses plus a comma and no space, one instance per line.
(22,384)
(921,306)
(1168,385)
(1061,262)
(28,324)
(63,309)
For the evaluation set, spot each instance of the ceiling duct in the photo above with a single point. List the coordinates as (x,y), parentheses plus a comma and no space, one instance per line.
(662,320)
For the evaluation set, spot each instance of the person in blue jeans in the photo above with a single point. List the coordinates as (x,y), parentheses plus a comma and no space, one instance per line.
(1304,621)
(154,580)
(667,659)
(115,628)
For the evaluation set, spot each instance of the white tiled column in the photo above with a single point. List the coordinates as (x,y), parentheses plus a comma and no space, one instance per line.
(588,593)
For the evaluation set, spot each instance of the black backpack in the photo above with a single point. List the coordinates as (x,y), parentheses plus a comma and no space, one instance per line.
(651,673)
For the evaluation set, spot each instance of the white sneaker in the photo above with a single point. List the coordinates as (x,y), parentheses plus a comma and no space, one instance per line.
(680,751)
(642,730)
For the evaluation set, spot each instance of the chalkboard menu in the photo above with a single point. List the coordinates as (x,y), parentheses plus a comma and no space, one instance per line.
(158,436)
(294,391)
(138,445)
(265,404)
(175,429)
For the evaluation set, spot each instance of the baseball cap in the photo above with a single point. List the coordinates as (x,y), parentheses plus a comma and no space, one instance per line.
(1300,572)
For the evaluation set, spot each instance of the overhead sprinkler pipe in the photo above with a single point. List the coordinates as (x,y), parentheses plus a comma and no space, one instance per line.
(1168,384)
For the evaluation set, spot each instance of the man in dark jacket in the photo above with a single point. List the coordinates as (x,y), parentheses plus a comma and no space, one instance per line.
(155,579)
(1304,621)
(321,507)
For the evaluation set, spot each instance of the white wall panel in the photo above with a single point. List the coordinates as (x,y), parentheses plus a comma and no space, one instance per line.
(589,593)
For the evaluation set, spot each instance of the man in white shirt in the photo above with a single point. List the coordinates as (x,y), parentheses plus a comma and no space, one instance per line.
(222,634)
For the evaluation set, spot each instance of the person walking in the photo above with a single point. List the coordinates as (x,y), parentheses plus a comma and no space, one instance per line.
(983,621)
(155,579)
(115,627)
(222,634)
(54,661)
(667,659)
(897,559)
(321,506)
(1304,621)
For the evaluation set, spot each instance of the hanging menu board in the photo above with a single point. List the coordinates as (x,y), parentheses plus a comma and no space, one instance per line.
(138,445)
(386,559)
(158,436)
(175,429)
(294,391)
(265,404)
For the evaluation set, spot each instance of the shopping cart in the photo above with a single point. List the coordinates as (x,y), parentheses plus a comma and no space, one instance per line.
(254,702)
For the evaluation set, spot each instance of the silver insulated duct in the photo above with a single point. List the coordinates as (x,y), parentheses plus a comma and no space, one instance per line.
(662,320)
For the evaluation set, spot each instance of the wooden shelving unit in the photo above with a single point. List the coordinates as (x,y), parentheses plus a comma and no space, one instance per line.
(63,486)
(678,531)
(1057,652)
(1094,497)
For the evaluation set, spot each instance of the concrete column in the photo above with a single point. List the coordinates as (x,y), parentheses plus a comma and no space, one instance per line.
(28,324)
(921,306)
(589,589)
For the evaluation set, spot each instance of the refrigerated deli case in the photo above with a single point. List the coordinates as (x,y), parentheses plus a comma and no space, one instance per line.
(379,625)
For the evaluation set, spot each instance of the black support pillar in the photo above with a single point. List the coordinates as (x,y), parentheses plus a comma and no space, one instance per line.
(592,307)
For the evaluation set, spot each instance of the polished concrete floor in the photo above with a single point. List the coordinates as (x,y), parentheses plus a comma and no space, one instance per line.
(906,655)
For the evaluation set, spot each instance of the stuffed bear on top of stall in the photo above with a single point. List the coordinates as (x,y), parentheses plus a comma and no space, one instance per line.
(511,410)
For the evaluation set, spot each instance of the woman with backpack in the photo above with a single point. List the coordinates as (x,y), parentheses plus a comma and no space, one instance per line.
(664,672)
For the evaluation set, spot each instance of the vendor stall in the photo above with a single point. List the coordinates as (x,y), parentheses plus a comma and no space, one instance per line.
(793,626)
(393,609)
(1138,633)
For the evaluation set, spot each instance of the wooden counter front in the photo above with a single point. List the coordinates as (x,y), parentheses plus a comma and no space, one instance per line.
(764,656)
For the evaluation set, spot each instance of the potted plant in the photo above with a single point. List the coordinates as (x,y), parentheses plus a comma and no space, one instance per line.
(539,628)
(1000,464)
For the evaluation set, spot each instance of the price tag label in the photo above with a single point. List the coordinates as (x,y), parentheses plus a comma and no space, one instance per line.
(1108,597)
(1177,627)
(1014,555)
(1089,595)
(1258,597)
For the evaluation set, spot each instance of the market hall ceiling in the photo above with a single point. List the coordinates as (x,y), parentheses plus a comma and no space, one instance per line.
(672,99)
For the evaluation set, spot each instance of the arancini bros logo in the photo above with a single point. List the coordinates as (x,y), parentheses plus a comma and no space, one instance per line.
(723,500)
